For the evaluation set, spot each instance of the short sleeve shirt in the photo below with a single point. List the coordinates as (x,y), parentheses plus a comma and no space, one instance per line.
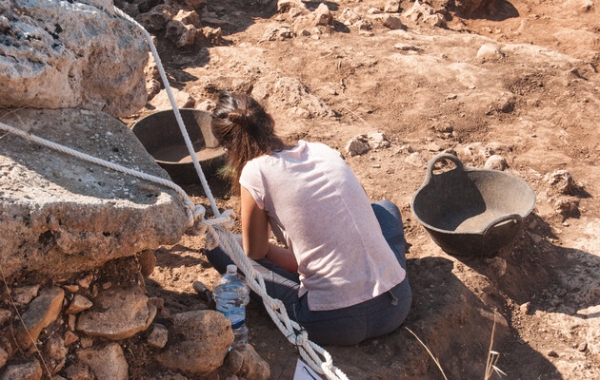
(317,207)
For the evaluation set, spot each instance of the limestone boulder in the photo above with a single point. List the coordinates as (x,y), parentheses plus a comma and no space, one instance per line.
(57,54)
(60,214)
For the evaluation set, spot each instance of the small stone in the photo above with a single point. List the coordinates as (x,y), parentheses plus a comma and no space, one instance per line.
(42,311)
(86,281)
(391,22)
(70,338)
(55,348)
(489,51)
(525,308)
(415,159)
(552,353)
(377,140)
(79,304)
(3,357)
(78,372)
(358,145)
(244,361)
(582,346)
(71,321)
(117,314)
(496,162)
(407,47)
(322,15)
(157,302)
(57,368)
(25,294)
(4,316)
(433,147)
(392,6)
(444,128)
(159,336)
(26,371)
(71,288)
(86,342)
(147,260)
(153,87)
(107,362)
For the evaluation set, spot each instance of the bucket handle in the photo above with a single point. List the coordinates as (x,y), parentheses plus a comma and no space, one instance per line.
(439,157)
(518,219)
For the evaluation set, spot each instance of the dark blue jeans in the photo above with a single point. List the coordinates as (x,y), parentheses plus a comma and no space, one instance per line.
(351,325)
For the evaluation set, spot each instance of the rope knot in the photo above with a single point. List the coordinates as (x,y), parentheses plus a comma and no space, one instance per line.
(301,338)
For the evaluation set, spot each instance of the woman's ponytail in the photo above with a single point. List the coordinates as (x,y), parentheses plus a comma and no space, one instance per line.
(241,117)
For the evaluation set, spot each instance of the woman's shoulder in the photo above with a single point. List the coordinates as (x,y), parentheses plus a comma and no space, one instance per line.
(322,149)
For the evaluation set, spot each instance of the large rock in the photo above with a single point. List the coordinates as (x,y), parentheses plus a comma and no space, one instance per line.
(117,314)
(57,54)
(203,339)
(243,361)
(60,214)
(107,363)
(41,312)
(26,371)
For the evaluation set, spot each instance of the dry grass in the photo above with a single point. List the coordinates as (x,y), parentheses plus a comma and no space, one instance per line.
(25,326)
(492,358)
(435,360)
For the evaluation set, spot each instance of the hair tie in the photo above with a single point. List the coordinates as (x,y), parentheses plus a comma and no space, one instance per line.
(243,118)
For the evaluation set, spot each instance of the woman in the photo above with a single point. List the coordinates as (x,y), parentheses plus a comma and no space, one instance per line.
(342,272)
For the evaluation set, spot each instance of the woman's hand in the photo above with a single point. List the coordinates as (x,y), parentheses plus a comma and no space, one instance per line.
(255,236)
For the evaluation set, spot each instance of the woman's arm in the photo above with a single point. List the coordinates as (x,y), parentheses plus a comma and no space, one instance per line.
(255,236)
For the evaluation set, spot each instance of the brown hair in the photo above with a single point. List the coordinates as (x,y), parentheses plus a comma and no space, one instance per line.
(242,126)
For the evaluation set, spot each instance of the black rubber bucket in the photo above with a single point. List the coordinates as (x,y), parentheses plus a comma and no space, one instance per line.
(159,133)
(471,212)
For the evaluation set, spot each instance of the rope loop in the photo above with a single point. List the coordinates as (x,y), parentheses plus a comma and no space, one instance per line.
(228,217)
(199,212)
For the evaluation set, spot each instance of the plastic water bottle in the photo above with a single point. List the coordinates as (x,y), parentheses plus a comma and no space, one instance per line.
(230,274)
(231,298)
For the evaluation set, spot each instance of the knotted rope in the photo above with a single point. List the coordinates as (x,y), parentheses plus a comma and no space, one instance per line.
(217,235)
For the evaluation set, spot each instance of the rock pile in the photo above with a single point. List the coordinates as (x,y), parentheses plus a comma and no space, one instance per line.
(80,329)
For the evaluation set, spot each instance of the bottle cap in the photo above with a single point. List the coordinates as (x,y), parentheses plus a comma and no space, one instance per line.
(231,269)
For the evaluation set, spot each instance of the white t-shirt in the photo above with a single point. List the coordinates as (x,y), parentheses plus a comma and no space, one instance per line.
(316,206)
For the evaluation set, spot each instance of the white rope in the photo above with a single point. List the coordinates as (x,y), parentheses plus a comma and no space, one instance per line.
(186,137)
(224,238)
(193,212)
(294,333)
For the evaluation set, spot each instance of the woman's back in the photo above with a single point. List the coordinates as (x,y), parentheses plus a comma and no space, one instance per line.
(317,206)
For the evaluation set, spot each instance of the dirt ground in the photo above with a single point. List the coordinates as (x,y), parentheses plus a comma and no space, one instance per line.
(419,86)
